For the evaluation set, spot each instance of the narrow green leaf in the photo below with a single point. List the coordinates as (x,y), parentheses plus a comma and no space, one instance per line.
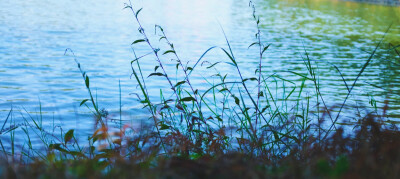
(180,83)
(156,74)
(87,81)
(158,26)
(83,102)
(168,51)
(265,48)
(137,12)
(213,65)
(265,108)
(223,89)
(230,57)
(138,41)
(251,79)
(291,92)
(188,99)
(254,43)
(231,64)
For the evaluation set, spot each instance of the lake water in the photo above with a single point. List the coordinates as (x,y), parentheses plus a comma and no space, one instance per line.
(36,78)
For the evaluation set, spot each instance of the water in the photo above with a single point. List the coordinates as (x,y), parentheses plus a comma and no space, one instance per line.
(36,76)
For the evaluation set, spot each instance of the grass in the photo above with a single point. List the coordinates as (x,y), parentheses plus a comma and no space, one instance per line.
(245,127)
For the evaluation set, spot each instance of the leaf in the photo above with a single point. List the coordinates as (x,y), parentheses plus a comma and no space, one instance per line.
(254,43)
(138,41)
(162,30)
(68,136)
(230,64)
(83,102)
(164,127)
(189,68)
(179,107)
(156,74)
(300,116)
(137,12)
(230,57)
(213,65)
(251,79)
(155,68)
(57,147)
(223,89)
(87,81)
(188,99)
(265,108)
(168,51)
(180,83)
(223,79)
(236,99)
(165,107)
(144,101)
(265,48)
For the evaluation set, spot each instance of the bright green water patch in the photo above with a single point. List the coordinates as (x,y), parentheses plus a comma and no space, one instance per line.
(355,21)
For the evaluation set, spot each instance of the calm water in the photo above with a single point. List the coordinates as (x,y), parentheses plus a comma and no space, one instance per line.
(34,35)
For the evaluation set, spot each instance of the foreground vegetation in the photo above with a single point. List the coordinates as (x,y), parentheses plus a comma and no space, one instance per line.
(250,127)
(372,152)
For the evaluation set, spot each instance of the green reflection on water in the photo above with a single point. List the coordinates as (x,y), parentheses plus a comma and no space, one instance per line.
(343,33)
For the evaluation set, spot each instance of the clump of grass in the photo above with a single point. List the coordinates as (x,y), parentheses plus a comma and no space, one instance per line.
(370,152)
(240,126)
